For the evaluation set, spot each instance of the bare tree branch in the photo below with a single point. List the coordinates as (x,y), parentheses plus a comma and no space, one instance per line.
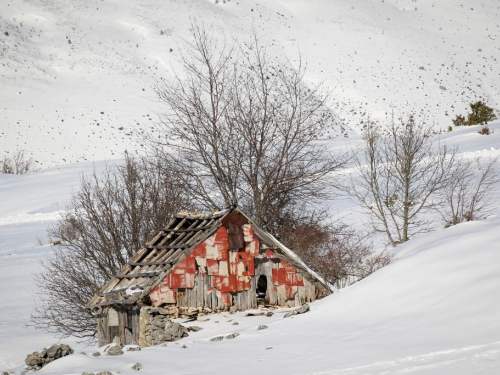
(398,176)
(468,192)
(242,128)
(108,220)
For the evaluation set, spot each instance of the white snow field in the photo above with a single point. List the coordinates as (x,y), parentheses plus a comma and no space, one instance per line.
(433,311)
(76,76)
(76,80)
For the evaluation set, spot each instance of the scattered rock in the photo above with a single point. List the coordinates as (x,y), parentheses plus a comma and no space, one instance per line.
(173,331)
(232,335)
(218,338)
(5,373)
(194,329)
(134,349)
(37,360)
(300,310)
(269,347)
(255,314)
(96,354)
(137,366)
(235,323)
(104,373)
(115,350)
(262,326)
(269,313)
(303,309)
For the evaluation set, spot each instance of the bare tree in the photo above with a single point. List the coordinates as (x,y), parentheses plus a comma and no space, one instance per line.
(468,193)
(397,177)
(339,253)
(19,163)
(244,129)
(108,220)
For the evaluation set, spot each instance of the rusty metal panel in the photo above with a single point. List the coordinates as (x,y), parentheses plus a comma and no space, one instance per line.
(247,262)
(224,268)
(217,245)
(282,276)
(160,295)
(220,282)
(247,233)
(270,254)
(287,266)
(225,297)
(234,223)
(252,247)
(182,276)
(275,276)
(243,283)
(233,260)
(213,267)
(200,250)
(187,265)
(294,279)
(290,291)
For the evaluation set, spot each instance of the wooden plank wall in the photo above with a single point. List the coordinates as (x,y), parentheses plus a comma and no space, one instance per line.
(128,326)
(199,296)
(277,294)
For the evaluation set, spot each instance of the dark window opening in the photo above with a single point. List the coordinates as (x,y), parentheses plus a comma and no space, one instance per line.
(262,286)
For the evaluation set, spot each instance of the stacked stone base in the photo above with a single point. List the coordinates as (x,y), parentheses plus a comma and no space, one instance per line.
(157,328)
(37,360)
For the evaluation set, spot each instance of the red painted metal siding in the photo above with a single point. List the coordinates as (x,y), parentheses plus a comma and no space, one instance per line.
(230,270)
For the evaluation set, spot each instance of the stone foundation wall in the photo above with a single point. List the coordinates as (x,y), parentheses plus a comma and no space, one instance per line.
(156,326)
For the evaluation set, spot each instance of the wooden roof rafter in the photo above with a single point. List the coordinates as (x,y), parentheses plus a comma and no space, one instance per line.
(157,257)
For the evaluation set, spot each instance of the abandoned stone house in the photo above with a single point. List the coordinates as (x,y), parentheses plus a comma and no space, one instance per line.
(201,263)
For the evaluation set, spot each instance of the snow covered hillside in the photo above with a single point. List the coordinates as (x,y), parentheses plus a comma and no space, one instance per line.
(76,76)
(76,81)
(433,311)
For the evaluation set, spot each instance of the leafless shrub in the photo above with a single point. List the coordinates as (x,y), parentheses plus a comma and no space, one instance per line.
(19,163)
(484,130)
(468,193)
(108,220)
(339,253)
(242,128)
(397,176)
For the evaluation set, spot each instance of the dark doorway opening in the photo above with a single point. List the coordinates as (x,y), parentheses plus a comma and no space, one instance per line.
(262,286)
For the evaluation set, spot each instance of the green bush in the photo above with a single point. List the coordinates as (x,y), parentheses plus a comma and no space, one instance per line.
(480,114)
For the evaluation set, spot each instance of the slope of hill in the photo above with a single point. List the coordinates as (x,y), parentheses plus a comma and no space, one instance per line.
(433,311)
(76,77)
(76,86)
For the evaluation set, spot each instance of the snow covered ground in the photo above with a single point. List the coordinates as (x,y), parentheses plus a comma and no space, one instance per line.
(433,311)
(76,76)
(76,86)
